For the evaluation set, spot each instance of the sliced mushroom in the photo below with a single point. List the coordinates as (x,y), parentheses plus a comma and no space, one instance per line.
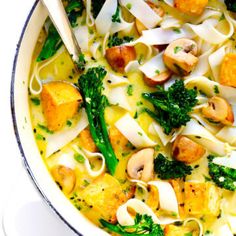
(186,150)
(159,11)
(180,56)
(64,177)
(140,165)
(219,110)
(158,79)
(119,56)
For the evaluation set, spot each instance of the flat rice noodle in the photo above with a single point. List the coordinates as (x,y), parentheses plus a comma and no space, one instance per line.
(117,96)
(223,230)
(207,31)
(227,161)
(133,132)
(228,134)
(89,155)
(116,80)
(155,64)
(59,139)
(103,21)
(140,9)
(208,87)
(202,136)
(82,37)
(67,160)
(215,61)
(167,196)
(232,223)
(159,36)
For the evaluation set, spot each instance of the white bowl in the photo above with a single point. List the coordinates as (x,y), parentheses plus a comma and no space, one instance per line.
(24,132)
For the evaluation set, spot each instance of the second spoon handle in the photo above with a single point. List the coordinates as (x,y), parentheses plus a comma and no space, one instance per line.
(60,20)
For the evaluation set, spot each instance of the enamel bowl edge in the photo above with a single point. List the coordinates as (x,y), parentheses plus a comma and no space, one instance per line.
(24,133)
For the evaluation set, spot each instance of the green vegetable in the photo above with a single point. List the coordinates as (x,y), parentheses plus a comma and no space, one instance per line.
(44,128)
(224,177)
(53,41)
(35,101)
(97,6)
(114,40)
(81,62)
(167,169)
(231,5)
(130,90)
(116,16)
(143,225)
(172,106)
(177,49)
(91,86)
(78,157)
(216,89)
(74,9)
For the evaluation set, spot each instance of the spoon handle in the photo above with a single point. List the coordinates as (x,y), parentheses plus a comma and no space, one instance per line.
(60,20)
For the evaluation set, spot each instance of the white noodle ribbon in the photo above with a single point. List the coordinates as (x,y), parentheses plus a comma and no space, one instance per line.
(59,139)
(36,73)
(133,132)
(202,136)
(215,61)
(154,66)
(208,87)
(142,11)
(167,196)
(117,96)
(226,161)
(115,80)
(228,134)
(207,31)
(89,16)
(103,21)
(89,155)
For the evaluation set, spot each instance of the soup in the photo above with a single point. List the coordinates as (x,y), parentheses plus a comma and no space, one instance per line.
(140,134)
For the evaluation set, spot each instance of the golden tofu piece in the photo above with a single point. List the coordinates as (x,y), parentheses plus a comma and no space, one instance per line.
(60,102)
(86,141)
(117,139)
(172,230)
(191,7)
(201,199)
(186,150)
(228,70)
(105,195)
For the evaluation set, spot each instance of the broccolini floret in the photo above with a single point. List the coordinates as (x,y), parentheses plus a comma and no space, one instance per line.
(172,107)
(91,86)
(143,225)
(231,5)
(224,177)
(166,169)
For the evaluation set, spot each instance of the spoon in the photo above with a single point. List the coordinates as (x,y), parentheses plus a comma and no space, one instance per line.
(61,22)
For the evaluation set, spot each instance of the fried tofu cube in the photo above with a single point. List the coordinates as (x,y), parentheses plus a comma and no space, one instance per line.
(172,230)
(228,70)
(117,139)
(86,141)
(60,102)
(105,195)
(191,7)
(201,199)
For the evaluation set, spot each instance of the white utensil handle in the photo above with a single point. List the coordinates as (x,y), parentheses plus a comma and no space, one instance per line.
(60,20)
